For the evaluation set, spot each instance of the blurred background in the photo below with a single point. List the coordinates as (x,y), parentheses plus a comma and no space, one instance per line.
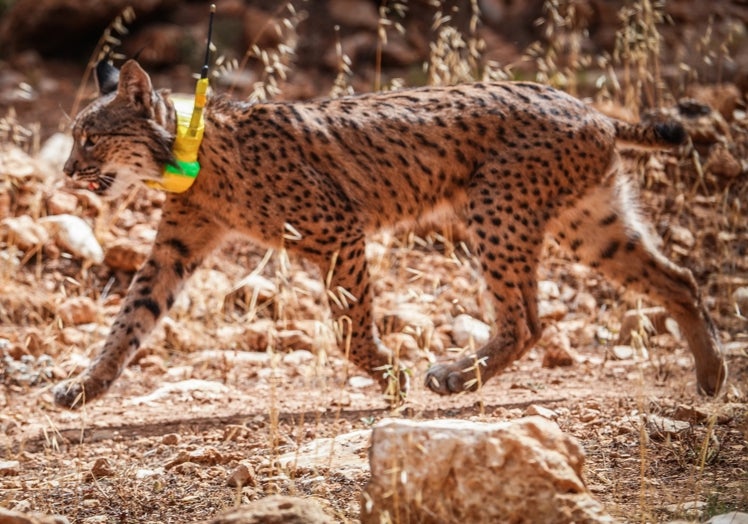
(304,46)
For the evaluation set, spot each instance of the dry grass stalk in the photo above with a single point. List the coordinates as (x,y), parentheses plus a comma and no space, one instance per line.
(13,132)
(560,59)
(712,54)
(384,24)
(342,84)
(637,50)
(104,48)
(276,62)
(453,58)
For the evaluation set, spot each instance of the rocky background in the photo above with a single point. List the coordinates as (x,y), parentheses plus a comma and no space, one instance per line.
(234,396)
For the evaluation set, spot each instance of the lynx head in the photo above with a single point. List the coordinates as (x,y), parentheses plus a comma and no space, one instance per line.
(124,136)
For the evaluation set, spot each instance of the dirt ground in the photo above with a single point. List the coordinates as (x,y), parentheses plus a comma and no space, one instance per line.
(243,371)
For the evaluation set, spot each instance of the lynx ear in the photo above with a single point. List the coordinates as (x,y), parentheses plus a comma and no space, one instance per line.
(135,86)
(107,77)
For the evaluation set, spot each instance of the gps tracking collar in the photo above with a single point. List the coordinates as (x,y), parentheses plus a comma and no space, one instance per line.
(190,128)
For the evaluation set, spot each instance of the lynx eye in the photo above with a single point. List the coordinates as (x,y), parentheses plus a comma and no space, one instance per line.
(89,141)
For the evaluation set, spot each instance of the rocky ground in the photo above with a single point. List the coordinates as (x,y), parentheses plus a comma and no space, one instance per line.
(245,371)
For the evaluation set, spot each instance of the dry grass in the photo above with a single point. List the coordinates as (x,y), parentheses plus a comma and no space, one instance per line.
(631,76)
(110,39)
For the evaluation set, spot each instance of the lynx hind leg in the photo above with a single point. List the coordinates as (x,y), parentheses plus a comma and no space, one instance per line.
(349,295)
(605,232)
(508,241)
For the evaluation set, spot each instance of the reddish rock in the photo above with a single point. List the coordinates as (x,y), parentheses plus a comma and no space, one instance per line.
(451,471)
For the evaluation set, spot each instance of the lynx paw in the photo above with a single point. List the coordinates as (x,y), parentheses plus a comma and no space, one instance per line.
(448,379)
(711,379)
(76,392)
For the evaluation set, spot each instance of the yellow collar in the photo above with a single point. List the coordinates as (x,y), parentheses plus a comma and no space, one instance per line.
(190,128)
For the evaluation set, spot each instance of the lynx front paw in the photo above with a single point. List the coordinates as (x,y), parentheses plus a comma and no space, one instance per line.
(447,379)
(74,393)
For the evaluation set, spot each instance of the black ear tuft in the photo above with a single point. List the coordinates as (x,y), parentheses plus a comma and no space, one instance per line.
(107,77)
(671,132)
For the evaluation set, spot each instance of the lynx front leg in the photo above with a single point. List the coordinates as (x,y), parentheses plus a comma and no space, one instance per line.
(173,258)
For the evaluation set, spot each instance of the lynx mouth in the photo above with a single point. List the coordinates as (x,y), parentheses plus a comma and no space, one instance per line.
(101,184)
(94,181)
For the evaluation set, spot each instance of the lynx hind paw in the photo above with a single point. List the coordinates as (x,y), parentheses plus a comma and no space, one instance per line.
(713,379)
(447,379)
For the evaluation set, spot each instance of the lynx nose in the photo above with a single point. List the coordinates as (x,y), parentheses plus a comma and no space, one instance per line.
(70,167)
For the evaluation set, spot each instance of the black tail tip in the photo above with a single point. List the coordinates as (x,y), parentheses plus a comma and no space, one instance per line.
(671,132)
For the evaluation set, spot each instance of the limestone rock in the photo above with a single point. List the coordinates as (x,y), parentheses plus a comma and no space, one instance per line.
(645,322)
(740,299)
(9,468)
(60,203)
(622,352)
(451,471)
(55,150)
(126,255)
(14,517)
(661,428)
(467,330)
(170,439)
(207,456)
(345,454)
(101,468)
(250,291)
(541,411)
(734,517)
(407,317)
(78,310)
(185,390)
(24,232)
(681,236)
(558,352)
(73,234)
(276,509)
(243,475)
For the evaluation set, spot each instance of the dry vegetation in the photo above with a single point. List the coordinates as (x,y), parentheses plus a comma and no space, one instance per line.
(196,405)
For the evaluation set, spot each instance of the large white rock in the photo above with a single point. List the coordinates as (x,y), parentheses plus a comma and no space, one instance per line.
(275,509)
(344,454)
(455,471)
(468,330)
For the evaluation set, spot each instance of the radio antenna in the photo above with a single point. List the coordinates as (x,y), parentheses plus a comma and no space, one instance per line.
(201,88)
(204,71)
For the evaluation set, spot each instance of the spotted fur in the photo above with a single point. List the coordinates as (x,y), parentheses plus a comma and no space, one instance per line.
(516,160)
